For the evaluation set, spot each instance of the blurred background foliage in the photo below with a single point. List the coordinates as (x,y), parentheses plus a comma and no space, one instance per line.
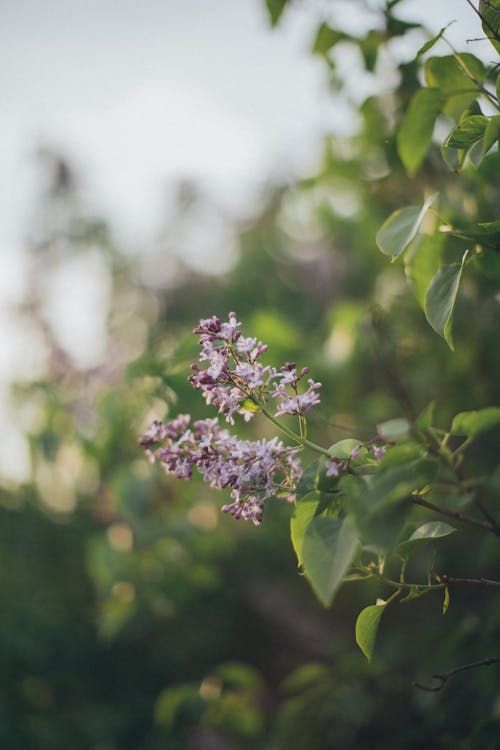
(134,614)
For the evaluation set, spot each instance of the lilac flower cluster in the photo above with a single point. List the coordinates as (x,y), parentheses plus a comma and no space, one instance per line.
(254,470)
(235,379)
(235,382)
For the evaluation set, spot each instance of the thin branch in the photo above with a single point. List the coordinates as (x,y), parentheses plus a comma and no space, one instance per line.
(484,510)
(477,581)
(483,19)
(417,500)
(445,676)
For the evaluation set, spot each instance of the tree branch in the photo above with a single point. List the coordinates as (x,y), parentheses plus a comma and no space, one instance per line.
(486,525)
(445,676)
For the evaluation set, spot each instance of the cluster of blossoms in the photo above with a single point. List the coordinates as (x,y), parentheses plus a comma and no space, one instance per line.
(254,470)
(235,382)
(234,376)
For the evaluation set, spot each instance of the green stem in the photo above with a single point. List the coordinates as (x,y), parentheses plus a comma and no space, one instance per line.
(293,435)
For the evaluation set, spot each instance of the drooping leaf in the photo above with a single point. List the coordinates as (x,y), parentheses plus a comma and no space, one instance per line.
(473,423)
(415,134)
(428,45)
(328,549)
(367,627)
(470,130)
(441,299)
(422,263)
(399,229)
(304,512)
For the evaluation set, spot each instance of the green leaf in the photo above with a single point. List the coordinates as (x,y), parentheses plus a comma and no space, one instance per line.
(490,13)
(275,9)
(428,45)
(492,133)
(343,448)
(326,38)
(467,132)
(424,534)
(473,423)
(447,74)
(426,417)
(367,627)
(305,510)
(415,134)
(328,549)
(441,299)
(422,263)
(394,429)
(400,228)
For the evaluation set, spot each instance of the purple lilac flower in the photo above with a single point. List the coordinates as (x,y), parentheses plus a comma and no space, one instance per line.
(379,451)
(253,470)
(234,374)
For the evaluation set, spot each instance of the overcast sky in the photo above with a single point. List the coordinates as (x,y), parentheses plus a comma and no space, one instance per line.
(139,93)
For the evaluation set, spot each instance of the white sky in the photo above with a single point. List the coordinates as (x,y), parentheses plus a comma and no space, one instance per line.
(139,93)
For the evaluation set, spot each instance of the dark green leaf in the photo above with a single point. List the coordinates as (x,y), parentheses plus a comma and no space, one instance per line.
(441,298)
(473,423)
(426,417)
(367,627)
(415,134)
(399,229)
(328,549)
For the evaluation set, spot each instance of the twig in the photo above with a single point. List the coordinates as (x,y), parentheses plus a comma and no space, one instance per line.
(479,581)
(445,676)
(417,500)
(483,19)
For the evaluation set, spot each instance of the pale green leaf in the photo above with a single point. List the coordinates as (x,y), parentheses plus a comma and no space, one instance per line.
(328,549)
(304,512)
(441,299)
(367,627)
(399,229)
(422,263)
(394,429)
